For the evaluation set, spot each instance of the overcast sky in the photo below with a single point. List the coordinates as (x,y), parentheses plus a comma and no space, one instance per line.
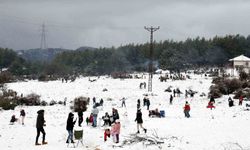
(104,23)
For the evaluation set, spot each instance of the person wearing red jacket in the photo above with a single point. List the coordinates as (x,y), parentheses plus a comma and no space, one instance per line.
(210,105)
(186,110)
(240,100)
(106,134)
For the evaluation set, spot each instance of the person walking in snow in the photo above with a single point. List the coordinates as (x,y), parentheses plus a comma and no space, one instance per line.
(123,102)
(80,118)
(186,93)
(22,116)
(95,112)
(70,126)
(138,104)
(230,102)
(40,123)
(115,130)
(240,100)
(174,92)
(148,103)
(171,99)
(187,109)
(94,100)
(144,101)
(139,121)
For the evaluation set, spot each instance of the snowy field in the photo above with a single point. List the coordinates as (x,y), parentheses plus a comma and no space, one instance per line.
(223,128)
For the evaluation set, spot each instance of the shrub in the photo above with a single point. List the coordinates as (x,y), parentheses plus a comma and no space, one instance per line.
(242,92)
(226,86)
(42,77)
(215,91)
(243,76)
(43,103)
(32,99)
(7,104)
(5,77)
(233,85)
(53,102)
(61,102)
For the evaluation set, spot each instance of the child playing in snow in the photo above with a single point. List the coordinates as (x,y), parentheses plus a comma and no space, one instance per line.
(115,131)
(13,119)
(106,134)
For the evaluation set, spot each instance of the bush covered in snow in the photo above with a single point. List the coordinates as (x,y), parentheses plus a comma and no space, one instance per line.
(223,86)
(30,100)
(5,77)
(7,104)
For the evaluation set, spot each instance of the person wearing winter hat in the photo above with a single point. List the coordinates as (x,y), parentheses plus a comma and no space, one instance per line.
(40,122)
(139,121)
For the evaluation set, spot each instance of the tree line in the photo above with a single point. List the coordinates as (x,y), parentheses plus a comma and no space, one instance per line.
(168,54)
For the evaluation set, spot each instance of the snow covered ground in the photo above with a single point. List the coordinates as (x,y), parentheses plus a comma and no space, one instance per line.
(220,129)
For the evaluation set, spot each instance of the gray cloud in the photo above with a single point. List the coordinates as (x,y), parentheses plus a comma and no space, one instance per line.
(75,23)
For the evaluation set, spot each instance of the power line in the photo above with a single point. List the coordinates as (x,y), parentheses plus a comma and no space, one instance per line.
(43,38)
(150,66)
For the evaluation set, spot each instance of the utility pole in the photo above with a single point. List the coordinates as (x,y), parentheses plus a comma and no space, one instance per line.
(150,65)
(43,38)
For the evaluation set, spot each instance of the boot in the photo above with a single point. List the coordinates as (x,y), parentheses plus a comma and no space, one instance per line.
(138,132)
(72,141)
(145,130)
(45,143)
(67,141)
(37,144)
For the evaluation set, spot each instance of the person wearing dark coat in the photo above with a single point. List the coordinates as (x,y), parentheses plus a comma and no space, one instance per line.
(139,121)
(22,115)
(212,99)
(230,102)
(171,99)
(80,118)
(148,104)
(106,119)
(40,122)
(101,102)
(144,101)
(115,115)
(69,127)
(13,119)
(138,104)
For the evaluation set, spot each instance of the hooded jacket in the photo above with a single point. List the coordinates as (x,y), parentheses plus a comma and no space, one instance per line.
(40,119)
(70,122)
(139,117)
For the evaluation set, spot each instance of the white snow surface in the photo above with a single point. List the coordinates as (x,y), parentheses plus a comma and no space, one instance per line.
(221,129)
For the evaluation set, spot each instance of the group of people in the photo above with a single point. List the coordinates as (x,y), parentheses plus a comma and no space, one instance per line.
(14,119)
(231,101)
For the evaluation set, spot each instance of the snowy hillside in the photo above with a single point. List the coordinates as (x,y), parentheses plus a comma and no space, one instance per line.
(220,129)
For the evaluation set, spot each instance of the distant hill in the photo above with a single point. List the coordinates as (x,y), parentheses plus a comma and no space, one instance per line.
(45,55)
(85,48)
